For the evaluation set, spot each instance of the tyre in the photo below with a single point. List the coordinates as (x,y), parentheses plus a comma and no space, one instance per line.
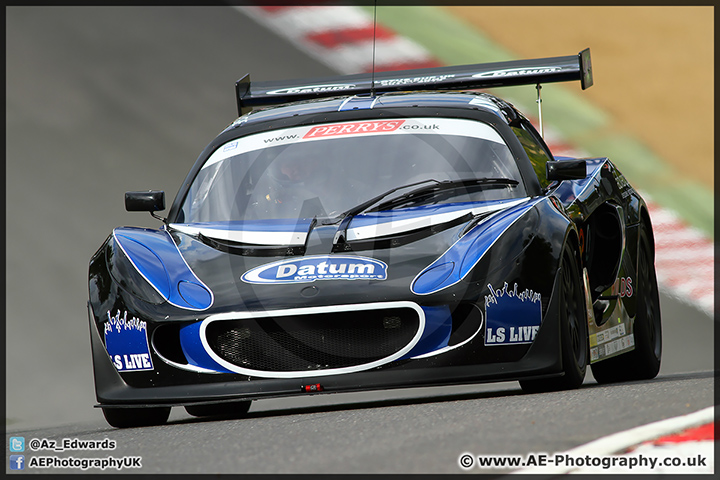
(573,330)
(136,417)
(643,362)
(231,409)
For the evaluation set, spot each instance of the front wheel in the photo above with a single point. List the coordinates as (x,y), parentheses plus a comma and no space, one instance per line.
(643,362)
(136,417)
(573,330)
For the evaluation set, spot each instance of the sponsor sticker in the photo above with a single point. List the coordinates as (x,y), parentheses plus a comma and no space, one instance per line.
(354,128)
(612,348)
(413,80)
(626,287)
(335,87)
(319,267)
(512,72)
(623,184)
(307,133)
(230,146)
(126,342)
(512,316)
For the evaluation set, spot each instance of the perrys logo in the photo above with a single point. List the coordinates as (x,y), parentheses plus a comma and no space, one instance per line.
(353,128)
(320,267)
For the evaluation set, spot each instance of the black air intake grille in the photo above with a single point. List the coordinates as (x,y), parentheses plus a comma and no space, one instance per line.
(313,342)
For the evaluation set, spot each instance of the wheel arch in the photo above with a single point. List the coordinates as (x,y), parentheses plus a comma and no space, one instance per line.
(645,220)
(572,238)
(605,236)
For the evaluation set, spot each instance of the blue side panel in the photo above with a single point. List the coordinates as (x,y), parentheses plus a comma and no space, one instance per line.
(154,254)
(433,278)
(194,351)
(438,326)
(463,255)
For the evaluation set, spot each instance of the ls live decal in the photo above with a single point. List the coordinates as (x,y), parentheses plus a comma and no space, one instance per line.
(317,267)
(512,316)
(126,342)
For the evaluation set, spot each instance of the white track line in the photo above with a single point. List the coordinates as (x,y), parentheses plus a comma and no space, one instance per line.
(623,440)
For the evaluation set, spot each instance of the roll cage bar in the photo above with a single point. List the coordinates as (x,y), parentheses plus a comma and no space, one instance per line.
(482,75)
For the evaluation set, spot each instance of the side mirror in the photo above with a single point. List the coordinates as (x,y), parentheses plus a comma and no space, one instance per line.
(149,201)
(566,170)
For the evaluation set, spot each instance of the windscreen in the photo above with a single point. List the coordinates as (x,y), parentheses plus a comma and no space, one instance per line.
(324,170)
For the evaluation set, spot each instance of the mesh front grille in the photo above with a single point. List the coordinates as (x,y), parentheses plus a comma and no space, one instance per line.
(313,342)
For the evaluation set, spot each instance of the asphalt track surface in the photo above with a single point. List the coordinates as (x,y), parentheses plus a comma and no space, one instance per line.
(105,100)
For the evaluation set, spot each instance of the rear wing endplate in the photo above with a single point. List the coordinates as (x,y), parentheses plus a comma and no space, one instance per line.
(482,75)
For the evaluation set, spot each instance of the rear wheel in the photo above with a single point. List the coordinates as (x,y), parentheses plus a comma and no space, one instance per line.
(573,330)
(136,417)
(643,362)
(231,409)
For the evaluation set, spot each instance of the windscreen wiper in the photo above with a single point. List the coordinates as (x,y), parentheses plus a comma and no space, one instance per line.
(348,215)
(423,193)
(415,195)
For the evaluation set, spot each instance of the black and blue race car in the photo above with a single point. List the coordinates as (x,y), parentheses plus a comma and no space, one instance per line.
(376,231)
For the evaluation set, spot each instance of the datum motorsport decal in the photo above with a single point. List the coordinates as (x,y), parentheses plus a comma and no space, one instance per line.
(319,267)
(511,316)
(126,342)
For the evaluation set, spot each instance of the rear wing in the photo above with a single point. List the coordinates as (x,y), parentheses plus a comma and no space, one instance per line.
(482,75)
